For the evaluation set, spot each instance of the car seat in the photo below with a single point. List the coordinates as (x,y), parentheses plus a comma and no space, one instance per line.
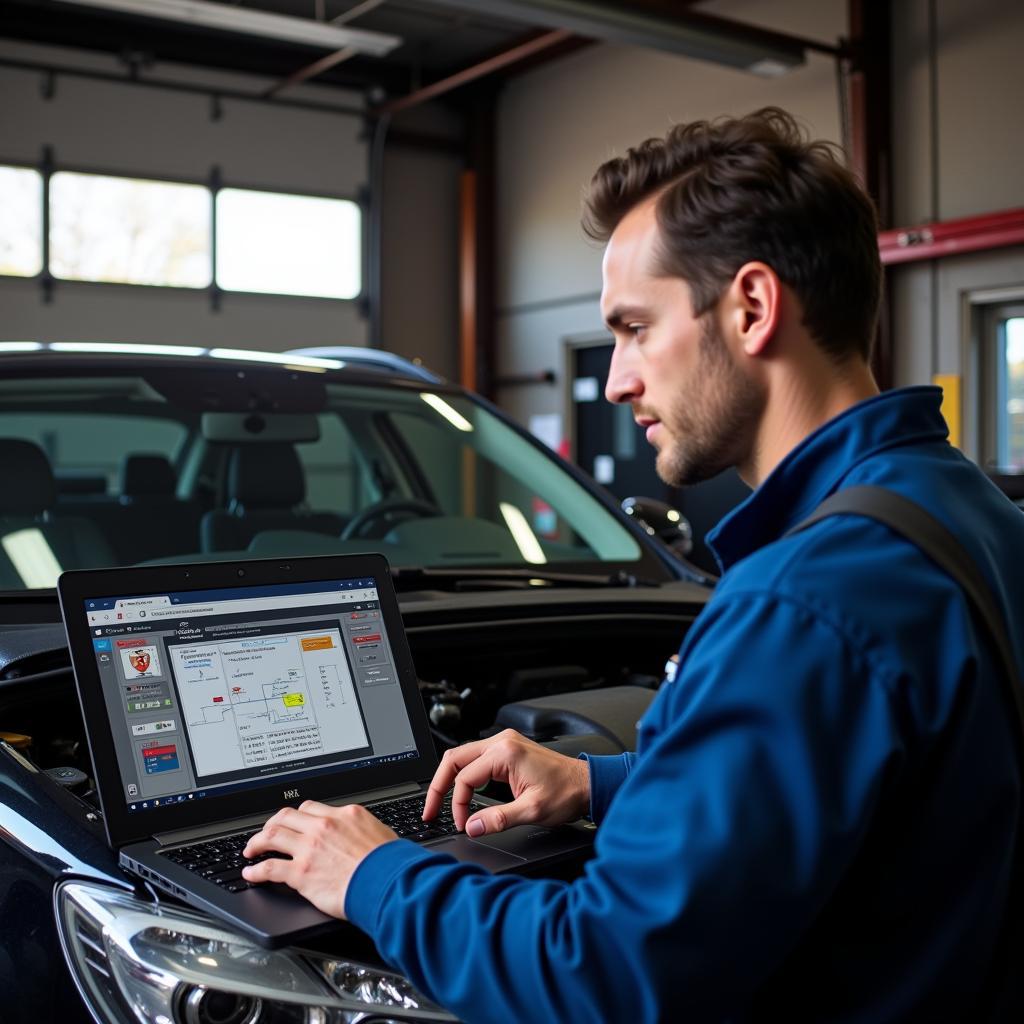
(27,498)
(265,491)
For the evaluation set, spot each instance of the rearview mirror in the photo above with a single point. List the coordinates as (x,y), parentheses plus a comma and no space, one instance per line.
(246,427)
(660,520)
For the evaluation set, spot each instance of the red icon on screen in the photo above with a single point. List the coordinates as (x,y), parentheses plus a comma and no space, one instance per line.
(139,660)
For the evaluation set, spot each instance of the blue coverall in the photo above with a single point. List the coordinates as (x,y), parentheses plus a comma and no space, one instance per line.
(819,818)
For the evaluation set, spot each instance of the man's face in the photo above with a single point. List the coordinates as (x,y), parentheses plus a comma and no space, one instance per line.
(699,407)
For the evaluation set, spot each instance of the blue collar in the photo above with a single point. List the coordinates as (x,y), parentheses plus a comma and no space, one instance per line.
(818,464)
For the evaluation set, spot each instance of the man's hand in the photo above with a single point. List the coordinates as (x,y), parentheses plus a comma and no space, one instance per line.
(549,788)
(326,845)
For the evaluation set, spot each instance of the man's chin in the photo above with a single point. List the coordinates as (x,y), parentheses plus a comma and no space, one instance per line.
(668,469)
(679,473)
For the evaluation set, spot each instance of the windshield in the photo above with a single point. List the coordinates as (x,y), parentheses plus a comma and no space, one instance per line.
(164,465)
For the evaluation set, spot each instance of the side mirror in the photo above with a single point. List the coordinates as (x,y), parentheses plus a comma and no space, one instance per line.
(669,525)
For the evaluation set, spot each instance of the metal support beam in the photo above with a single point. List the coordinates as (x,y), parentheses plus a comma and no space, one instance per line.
(869,102)
(659,24)
(187,88)
(476,249)
(318,67)
(468,325)
(508,58)
(869,98)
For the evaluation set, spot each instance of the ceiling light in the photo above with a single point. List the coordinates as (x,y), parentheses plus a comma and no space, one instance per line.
(692,34)
(256,23)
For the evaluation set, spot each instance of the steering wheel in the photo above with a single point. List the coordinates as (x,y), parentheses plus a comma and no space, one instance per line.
(375,521)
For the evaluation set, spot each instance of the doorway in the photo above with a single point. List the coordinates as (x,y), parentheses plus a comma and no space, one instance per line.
(609,446)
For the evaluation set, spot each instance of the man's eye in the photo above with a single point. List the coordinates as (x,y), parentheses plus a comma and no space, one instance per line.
(637,330)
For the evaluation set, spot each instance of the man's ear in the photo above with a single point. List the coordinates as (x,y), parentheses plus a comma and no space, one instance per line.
(755,298)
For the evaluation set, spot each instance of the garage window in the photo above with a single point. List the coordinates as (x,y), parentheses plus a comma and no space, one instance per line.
(21,221)
(115,229)
(288,244)
(1010,392)
(129,231)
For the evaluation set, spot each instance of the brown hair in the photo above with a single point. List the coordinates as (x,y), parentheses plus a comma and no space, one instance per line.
(754,188)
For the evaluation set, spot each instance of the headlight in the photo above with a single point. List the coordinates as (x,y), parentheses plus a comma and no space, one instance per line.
(143,963)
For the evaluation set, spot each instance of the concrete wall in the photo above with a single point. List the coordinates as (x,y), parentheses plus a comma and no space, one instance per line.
(557,124)
(119,128)
(957,79)
(958,152)
(420,245)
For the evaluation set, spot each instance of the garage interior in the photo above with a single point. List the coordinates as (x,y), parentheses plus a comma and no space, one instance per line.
(466,140)
(277,180)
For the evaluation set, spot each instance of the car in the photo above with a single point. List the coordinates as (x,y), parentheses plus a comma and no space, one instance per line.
(529,597)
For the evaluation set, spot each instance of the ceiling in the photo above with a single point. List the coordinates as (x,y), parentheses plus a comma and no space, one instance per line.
(438,39)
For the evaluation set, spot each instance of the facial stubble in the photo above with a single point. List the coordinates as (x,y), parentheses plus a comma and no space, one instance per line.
(712,426)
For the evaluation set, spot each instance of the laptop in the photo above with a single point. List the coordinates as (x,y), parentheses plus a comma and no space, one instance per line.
(214,694)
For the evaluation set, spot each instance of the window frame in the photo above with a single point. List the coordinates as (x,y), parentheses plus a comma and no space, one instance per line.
(213,184)
(993,449)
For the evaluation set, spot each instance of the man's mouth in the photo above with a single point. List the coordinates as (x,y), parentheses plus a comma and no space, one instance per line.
(650,425)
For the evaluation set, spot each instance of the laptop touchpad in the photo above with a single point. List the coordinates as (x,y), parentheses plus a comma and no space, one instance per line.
(463,848)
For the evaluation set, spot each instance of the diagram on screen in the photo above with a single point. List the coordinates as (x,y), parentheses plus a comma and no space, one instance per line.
(269,699)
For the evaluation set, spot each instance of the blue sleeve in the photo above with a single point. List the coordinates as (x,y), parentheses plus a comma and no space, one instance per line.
(757,773)
(607,773)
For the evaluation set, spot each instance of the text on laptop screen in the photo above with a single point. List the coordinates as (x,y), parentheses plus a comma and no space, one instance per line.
(209,691)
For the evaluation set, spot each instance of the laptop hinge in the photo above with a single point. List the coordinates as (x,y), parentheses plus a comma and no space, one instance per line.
(224,828)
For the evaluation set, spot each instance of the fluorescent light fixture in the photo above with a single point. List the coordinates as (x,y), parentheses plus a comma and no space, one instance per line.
(254,23)
(769,68)
(525,538)
(691,35)
(32,557)
(128,349)
(439,405)
(280,359)
(20,346)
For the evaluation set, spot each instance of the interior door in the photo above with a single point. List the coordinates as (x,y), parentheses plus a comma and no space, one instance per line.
(612,448)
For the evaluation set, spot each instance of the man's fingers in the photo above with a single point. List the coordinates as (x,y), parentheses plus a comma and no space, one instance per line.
(272,837)
(316,809)
(476,774)
(497,819)
(272,870)
(452,763)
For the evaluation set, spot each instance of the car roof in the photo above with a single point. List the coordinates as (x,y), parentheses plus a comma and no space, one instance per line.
(341,362)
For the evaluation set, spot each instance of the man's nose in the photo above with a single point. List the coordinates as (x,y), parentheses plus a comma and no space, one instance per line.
(624,383)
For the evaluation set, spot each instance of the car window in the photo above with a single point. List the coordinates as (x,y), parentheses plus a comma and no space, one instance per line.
(427,476)
(87,450)
(480,468)
(336,477)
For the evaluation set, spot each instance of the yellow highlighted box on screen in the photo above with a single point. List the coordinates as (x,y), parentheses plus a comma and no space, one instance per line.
(293,700)
(316,643)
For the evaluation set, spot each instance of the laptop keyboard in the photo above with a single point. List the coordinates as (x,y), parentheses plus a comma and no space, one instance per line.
(220,860)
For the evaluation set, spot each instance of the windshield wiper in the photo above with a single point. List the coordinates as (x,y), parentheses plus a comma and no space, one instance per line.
(488,579)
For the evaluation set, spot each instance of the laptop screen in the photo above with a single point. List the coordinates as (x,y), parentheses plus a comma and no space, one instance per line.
(213,691)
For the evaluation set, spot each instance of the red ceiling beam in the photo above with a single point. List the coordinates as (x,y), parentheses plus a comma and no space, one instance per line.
(952,237)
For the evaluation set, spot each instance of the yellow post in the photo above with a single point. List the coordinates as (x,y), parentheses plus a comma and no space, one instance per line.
(950,384)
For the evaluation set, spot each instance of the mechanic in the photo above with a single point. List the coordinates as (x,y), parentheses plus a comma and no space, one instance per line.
(820,818)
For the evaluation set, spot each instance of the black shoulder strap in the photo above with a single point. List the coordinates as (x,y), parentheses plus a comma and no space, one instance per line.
(1006,997)
(908,519)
